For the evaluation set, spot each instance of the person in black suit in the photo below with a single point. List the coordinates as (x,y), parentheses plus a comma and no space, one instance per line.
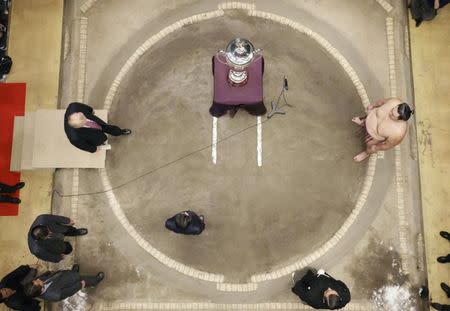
(4,188)
(320,291)
(186,222)
(85,130)
(46,237)
(11,289)
(59,285)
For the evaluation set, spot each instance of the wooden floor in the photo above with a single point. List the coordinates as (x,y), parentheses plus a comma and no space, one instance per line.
(35,47)
(430,51)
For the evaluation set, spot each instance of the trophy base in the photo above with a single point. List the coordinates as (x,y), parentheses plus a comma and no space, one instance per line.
(237,77)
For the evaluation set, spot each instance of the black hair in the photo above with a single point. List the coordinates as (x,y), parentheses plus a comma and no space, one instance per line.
(404,111)
(40,232)
(32,290)
(333,301)
(182,220)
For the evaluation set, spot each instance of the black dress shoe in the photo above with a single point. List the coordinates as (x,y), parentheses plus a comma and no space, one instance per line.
(440,307)
(445,235)
(19,185)
(100,276)
(444,259)
(446,289)
(76,268)
(82,231)
(126,132)
(14,200)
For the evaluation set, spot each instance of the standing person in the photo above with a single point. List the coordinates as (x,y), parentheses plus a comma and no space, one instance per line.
(186,222)
(439,306)
(61,284)
(426,9)
(384,127)
(320,291)
(444,259)
(4,188)
(46,237)
(11,289)
(85,130)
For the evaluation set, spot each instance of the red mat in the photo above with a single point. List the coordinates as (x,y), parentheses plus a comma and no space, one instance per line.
(12,103)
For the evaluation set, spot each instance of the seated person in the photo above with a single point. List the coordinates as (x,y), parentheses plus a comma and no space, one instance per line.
(46,237)
(59,285)
(85,130)
(4,188)
(11,289)
(186,222)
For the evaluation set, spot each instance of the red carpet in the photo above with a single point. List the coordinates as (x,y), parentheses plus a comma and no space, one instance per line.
(12,103)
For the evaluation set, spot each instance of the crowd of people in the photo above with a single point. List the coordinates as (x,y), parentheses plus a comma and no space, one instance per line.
(5,60)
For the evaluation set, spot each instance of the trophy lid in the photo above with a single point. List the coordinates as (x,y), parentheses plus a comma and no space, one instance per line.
(240,52)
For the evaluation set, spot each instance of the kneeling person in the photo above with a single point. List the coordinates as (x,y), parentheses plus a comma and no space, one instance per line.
(186,222)
(321,291)
(85,130)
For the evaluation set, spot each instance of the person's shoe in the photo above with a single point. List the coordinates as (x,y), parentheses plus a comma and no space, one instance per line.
(15,201)
(126,132)
(232,112)
(446,289)
(19,185)
(100,277)
(437,306)
(445,235)
(444,259)
(418,22)
(82,231)
(424,292)
(76,268)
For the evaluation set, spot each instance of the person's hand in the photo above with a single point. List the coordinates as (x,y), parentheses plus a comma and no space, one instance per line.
(35,266)
(93,111)
(71,222)
(83,284)
(98,148)
(370,107)
(63,256)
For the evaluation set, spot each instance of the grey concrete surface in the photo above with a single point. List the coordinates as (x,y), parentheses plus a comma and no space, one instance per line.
(257,219)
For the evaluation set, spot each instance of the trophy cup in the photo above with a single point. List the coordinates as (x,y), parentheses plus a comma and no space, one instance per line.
(238,55)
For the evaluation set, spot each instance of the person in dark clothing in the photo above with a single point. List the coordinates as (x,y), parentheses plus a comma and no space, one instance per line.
(11,289)
(186,222)
(61,284)
(46,237)
(426,10)
(4,188)
(321,291)
(85,130)
(439,306)
(444,259)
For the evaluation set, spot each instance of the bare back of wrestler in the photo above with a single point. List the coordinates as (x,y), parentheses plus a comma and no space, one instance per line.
(385,125)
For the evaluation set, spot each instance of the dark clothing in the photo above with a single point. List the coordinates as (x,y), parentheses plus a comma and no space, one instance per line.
(4,188)
(218,110)
(7,199)
(311,288)
(84,138)
(195,227)
(442,3)
(52,248)
(64,283)
(15,281)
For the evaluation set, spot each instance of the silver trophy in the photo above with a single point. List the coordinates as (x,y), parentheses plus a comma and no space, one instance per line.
(238,55)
